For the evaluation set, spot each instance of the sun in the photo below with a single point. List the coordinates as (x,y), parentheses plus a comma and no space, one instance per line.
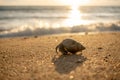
(75,2)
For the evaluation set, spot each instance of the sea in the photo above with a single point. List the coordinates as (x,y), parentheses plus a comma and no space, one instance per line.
(42,20)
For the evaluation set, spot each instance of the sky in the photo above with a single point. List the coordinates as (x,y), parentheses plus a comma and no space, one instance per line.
(60,2)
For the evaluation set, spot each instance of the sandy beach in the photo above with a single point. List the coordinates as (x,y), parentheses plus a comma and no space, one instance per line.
(32,58)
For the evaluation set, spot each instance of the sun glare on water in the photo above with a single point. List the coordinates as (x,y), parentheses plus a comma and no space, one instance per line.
(75,16)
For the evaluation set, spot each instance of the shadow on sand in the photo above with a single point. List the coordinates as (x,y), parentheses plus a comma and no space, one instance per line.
(67,63)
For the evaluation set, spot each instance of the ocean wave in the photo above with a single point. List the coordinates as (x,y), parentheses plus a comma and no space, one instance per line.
(28,30)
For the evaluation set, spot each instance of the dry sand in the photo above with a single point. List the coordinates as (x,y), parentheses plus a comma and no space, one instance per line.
(32,58)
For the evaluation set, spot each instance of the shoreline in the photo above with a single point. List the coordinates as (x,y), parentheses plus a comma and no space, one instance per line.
(61,34)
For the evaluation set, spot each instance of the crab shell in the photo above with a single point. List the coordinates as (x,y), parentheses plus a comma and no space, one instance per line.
(70,45)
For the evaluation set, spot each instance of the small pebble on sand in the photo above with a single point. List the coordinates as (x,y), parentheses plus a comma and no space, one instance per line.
(100,48)
(79,61)
(71,77)
(52,63)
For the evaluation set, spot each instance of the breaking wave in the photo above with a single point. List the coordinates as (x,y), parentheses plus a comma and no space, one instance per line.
(28,30)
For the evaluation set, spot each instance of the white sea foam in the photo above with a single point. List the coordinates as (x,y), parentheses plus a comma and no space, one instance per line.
(27,30)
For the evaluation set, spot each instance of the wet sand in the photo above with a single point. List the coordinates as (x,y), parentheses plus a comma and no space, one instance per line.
(32,58)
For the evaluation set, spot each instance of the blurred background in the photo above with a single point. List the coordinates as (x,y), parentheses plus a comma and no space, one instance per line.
(41,17)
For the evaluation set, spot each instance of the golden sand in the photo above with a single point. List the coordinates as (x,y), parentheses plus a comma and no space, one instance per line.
(32,58)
